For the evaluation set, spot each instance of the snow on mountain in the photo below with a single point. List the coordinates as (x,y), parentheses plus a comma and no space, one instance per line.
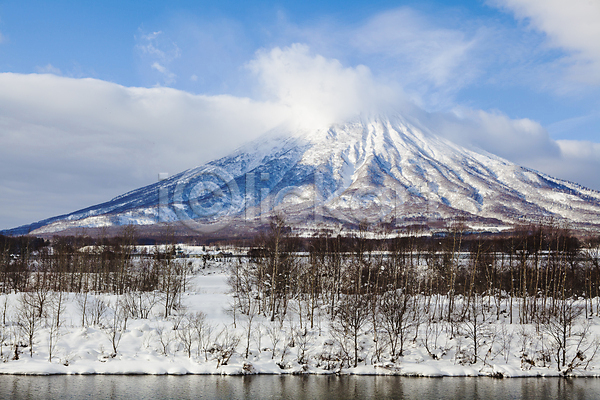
(372,170)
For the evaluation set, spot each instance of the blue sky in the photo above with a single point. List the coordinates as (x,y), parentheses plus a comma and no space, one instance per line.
(96,98)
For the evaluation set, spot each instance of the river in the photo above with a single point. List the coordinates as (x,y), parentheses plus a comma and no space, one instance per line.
(293,387)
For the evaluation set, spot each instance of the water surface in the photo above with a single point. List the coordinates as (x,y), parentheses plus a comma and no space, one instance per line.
(293,387)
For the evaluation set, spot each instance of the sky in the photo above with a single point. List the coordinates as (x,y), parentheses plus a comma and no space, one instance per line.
(98,98)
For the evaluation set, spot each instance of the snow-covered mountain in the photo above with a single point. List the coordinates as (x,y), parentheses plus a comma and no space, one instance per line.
(372,170)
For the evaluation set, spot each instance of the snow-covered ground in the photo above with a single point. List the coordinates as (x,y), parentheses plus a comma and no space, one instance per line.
(157,345)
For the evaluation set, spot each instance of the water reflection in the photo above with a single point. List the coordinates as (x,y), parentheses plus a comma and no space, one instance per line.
(293,387)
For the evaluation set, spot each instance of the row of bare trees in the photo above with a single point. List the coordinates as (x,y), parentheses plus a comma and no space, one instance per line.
(28,318)
(45,274)
(108,265)
(401,287)
(532,268)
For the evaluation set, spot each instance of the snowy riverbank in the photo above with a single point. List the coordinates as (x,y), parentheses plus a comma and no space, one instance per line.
(201,338)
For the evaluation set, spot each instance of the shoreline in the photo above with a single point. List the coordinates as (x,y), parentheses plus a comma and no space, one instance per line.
(410,370)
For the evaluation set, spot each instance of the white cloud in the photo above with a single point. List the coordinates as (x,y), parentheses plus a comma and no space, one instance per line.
(400,45)
(522,141)
(433,56)
(519,140)
(570,25)
(48,69)
(70,143)
(585,150)
(169,77)
(147,45)
(159,52)
(317,90)
(159,67)
(579,161)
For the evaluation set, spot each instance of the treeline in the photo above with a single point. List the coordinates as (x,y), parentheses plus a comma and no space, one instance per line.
(538,262)
(399,286)
(85,265)
(530,262)
(20,245)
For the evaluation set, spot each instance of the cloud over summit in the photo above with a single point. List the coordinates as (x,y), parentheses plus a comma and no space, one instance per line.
(317,91)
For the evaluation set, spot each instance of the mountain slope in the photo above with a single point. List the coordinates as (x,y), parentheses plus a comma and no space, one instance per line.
(369,170)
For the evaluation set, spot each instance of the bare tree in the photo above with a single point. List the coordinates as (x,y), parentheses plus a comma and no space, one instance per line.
(92,308)
(179,317)
(29,318)
(476,326)
(4,307)
(584,349)
(275,336)
(4,334)
(558,325)
(171,279)
(203,332)
(252,312)
(303,339)
(82,304)
(115,325)
(139,304)
(224,347)
(352,314)
(57,309)
(274,272)
(187,335)
(506,338)
(397,319)
(165,338)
